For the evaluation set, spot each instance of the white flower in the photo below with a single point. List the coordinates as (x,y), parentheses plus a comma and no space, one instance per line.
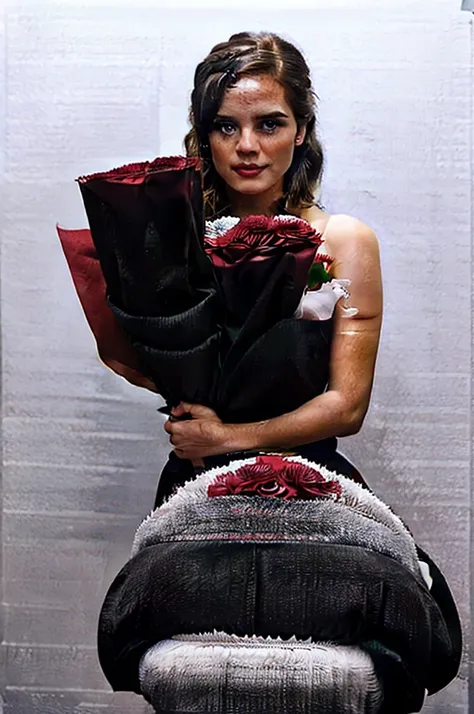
(320,304)
(219,226)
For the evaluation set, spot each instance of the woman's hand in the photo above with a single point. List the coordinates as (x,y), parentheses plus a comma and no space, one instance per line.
(203,434)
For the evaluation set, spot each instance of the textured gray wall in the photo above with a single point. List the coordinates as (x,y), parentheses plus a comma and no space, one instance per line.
(85,86)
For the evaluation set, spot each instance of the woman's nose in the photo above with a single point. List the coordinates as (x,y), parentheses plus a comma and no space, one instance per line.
(248,141)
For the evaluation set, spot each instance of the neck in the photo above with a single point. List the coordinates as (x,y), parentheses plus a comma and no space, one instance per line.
(261,204)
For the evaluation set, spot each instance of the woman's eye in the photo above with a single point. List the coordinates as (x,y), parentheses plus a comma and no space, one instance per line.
(226,128)
(270,125)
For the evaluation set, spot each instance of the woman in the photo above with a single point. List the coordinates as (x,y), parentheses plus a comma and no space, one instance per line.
(253,117)
(242,568)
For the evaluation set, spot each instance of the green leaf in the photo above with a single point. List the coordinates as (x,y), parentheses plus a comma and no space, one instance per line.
(317,274)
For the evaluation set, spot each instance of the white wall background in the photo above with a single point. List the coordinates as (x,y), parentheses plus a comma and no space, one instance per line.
(89,85)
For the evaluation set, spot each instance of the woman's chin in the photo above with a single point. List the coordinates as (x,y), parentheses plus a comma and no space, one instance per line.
(249,191)
(250,187)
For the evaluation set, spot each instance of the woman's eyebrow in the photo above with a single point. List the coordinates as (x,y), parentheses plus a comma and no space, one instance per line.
(266,115)
(273,115)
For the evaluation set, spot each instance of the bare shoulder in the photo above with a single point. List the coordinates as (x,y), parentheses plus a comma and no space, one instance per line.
(346,233)
(341,233)
(354,248)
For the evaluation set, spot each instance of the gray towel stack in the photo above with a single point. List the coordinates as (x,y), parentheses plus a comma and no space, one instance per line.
(221,673)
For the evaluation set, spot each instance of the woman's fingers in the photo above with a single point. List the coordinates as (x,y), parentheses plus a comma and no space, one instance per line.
(195,410)
(199,435)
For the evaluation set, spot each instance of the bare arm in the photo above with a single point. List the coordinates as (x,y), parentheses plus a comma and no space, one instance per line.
(341,409)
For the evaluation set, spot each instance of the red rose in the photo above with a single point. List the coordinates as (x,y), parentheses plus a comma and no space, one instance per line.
(258,237)
(274,476)
(260,230)
(247,479)
(310,483)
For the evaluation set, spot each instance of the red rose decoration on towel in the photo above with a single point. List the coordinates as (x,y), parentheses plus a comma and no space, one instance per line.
(275,476)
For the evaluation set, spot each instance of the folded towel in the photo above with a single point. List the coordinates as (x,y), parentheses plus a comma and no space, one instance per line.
(356,517)
(217,674)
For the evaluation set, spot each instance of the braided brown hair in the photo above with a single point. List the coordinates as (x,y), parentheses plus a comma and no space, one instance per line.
(244,54)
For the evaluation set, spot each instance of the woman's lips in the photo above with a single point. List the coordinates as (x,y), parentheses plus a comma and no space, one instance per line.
(249,172)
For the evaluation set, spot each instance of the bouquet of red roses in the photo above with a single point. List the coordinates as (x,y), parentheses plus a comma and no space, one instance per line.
(201,312)
(156,322)
(272,362)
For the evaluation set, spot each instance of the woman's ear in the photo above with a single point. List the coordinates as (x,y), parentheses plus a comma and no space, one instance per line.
(300,135)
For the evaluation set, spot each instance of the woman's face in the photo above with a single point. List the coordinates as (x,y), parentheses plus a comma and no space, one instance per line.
(254,136)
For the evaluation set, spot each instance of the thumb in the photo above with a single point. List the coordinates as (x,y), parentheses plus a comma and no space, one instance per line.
(199,411)
(195,410)
(180,409)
